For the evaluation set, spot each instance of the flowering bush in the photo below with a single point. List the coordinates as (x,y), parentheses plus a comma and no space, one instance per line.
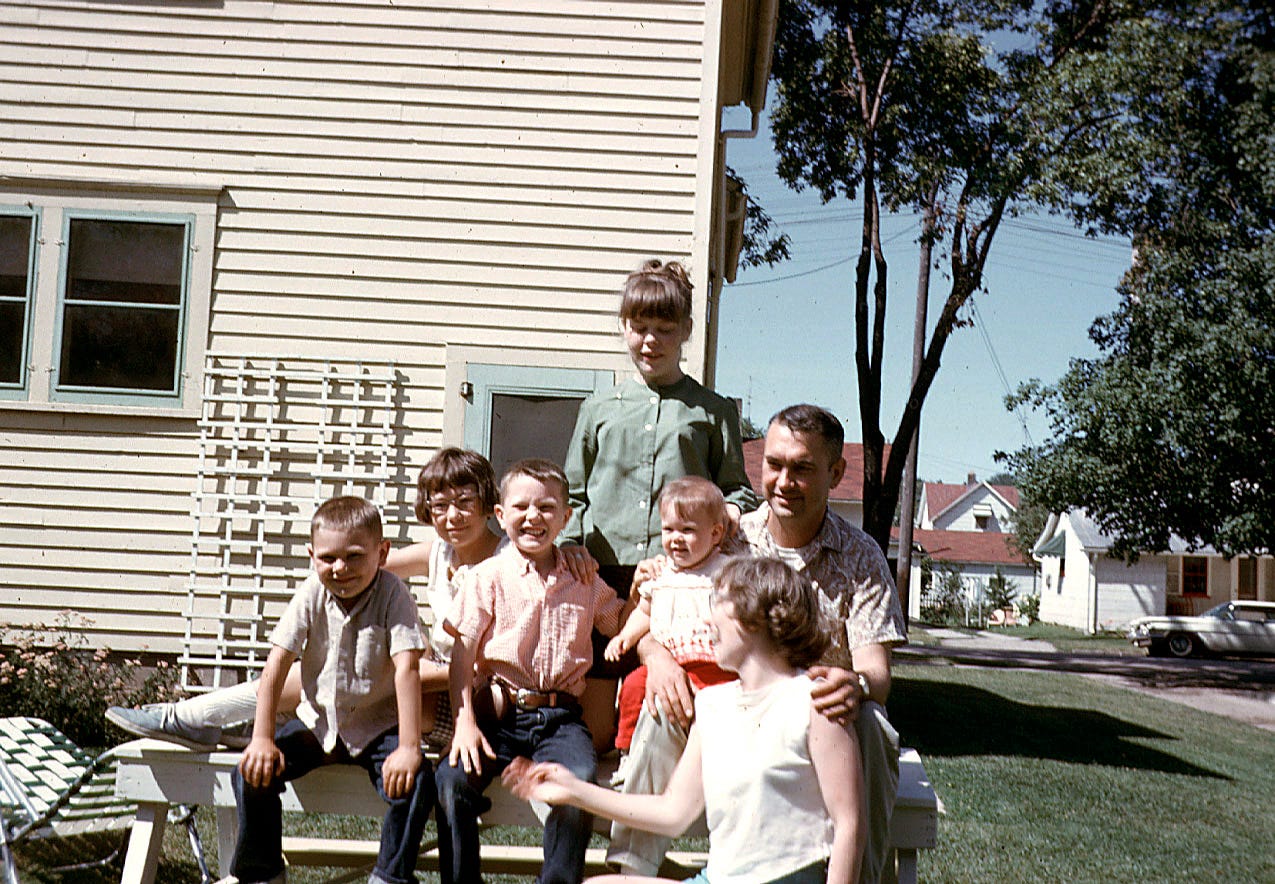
(51,674)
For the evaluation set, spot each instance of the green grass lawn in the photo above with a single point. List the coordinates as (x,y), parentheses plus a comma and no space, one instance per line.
(1056,777)
(1045,777)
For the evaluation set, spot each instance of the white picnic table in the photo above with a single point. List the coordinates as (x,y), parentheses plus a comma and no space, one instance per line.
(157,774)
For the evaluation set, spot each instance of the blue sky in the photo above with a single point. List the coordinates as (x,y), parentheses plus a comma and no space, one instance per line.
(787,332)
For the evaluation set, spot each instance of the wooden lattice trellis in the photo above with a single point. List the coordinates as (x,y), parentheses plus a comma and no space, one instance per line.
(276,438)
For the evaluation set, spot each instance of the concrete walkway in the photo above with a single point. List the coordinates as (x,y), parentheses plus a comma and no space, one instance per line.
(1242,689)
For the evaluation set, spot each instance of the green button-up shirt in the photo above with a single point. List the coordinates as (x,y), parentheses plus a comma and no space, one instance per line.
(632,439)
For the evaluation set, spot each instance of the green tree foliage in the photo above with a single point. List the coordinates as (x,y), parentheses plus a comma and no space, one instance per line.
(1001,591)
(762,243)
(1171,429)
(955,110)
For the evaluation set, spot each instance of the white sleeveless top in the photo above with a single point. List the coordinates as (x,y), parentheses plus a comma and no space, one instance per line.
(766,815)
(439,592)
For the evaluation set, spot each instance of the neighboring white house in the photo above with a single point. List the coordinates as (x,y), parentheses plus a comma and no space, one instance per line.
(968,526)
(1082,586)
(974,506)
(428,207)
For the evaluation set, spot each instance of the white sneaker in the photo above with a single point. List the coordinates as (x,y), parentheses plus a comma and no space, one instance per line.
(159,720)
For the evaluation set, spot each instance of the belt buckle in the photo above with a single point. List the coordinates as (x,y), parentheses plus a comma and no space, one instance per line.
(525,699)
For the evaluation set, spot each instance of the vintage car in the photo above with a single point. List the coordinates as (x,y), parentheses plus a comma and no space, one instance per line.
(1240,627)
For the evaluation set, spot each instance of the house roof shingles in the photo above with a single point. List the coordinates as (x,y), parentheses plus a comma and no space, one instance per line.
(968,547)
(941,495)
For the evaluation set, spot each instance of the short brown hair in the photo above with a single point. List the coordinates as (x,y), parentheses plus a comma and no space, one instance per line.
(811,420)
(657,291)
(455,468)
(692,497)
(348,515)
(543,471)
(772,598)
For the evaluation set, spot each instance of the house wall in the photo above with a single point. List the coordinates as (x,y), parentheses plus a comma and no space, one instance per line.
(1065,600)
(1123,591)
(393,182)
(1129,591)
(851,511)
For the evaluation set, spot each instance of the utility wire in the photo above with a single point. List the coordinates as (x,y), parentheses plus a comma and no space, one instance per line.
(1000,371)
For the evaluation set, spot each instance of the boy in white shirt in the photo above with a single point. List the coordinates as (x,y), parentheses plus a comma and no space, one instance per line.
(357,632)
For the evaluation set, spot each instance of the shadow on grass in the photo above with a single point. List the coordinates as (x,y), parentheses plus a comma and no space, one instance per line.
(945,719)
(1231,674)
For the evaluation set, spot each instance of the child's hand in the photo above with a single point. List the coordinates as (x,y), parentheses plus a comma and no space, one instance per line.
(469,746)
(647,569)
(547,782)
(400,768)
(261,762)
(617,647)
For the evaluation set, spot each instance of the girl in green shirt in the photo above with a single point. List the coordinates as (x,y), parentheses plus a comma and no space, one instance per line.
(653,427)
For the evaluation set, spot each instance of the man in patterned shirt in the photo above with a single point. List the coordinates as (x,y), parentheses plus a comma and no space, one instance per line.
(802,463)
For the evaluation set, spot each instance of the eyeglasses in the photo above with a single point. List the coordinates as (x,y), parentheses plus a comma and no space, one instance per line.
(466,504)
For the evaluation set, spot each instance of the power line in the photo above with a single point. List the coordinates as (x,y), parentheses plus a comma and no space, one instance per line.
(1000,371)
(845,260)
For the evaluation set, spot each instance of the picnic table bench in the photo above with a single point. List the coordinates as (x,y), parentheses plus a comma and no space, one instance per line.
(157,774)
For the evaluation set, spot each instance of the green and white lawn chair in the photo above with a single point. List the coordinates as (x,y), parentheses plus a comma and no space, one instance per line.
(53,793)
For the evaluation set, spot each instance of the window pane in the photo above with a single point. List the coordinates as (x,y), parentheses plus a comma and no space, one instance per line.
(131,342)
(131,348)
(15,261)
(523,425)
(12,324)
(129,261)
(1195,575)
(1246,587)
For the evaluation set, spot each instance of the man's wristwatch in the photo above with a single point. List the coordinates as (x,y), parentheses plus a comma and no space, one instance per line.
(864,686)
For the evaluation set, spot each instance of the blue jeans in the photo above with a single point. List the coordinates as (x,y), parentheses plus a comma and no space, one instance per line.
(815,873)
(259,850)
(541,735)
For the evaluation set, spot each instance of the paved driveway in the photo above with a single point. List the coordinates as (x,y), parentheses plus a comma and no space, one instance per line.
(1242,689)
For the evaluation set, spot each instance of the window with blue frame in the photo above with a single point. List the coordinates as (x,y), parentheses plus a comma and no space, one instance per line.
(122,300)
(104,302)
(17,272)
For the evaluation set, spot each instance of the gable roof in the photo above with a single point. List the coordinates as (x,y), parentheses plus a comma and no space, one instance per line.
(942,496)
(1093,539)
(848,490)
(968,547)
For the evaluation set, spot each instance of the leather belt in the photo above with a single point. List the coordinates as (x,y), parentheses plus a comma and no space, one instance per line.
(526,699)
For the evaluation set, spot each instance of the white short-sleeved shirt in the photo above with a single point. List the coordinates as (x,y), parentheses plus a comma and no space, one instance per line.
(347,674)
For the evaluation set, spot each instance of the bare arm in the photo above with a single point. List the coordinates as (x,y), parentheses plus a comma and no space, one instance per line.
(638,625)
(834,751)
(670,813)
(411,560)
(433,676)
(262,760)
(468,745)
(402,765)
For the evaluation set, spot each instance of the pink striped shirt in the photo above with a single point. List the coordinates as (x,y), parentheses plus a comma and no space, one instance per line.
(531,632)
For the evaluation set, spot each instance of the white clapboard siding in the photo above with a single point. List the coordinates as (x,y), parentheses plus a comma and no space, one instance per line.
(396,179)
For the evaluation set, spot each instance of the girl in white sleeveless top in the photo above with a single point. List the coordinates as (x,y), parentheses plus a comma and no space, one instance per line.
(781,785)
